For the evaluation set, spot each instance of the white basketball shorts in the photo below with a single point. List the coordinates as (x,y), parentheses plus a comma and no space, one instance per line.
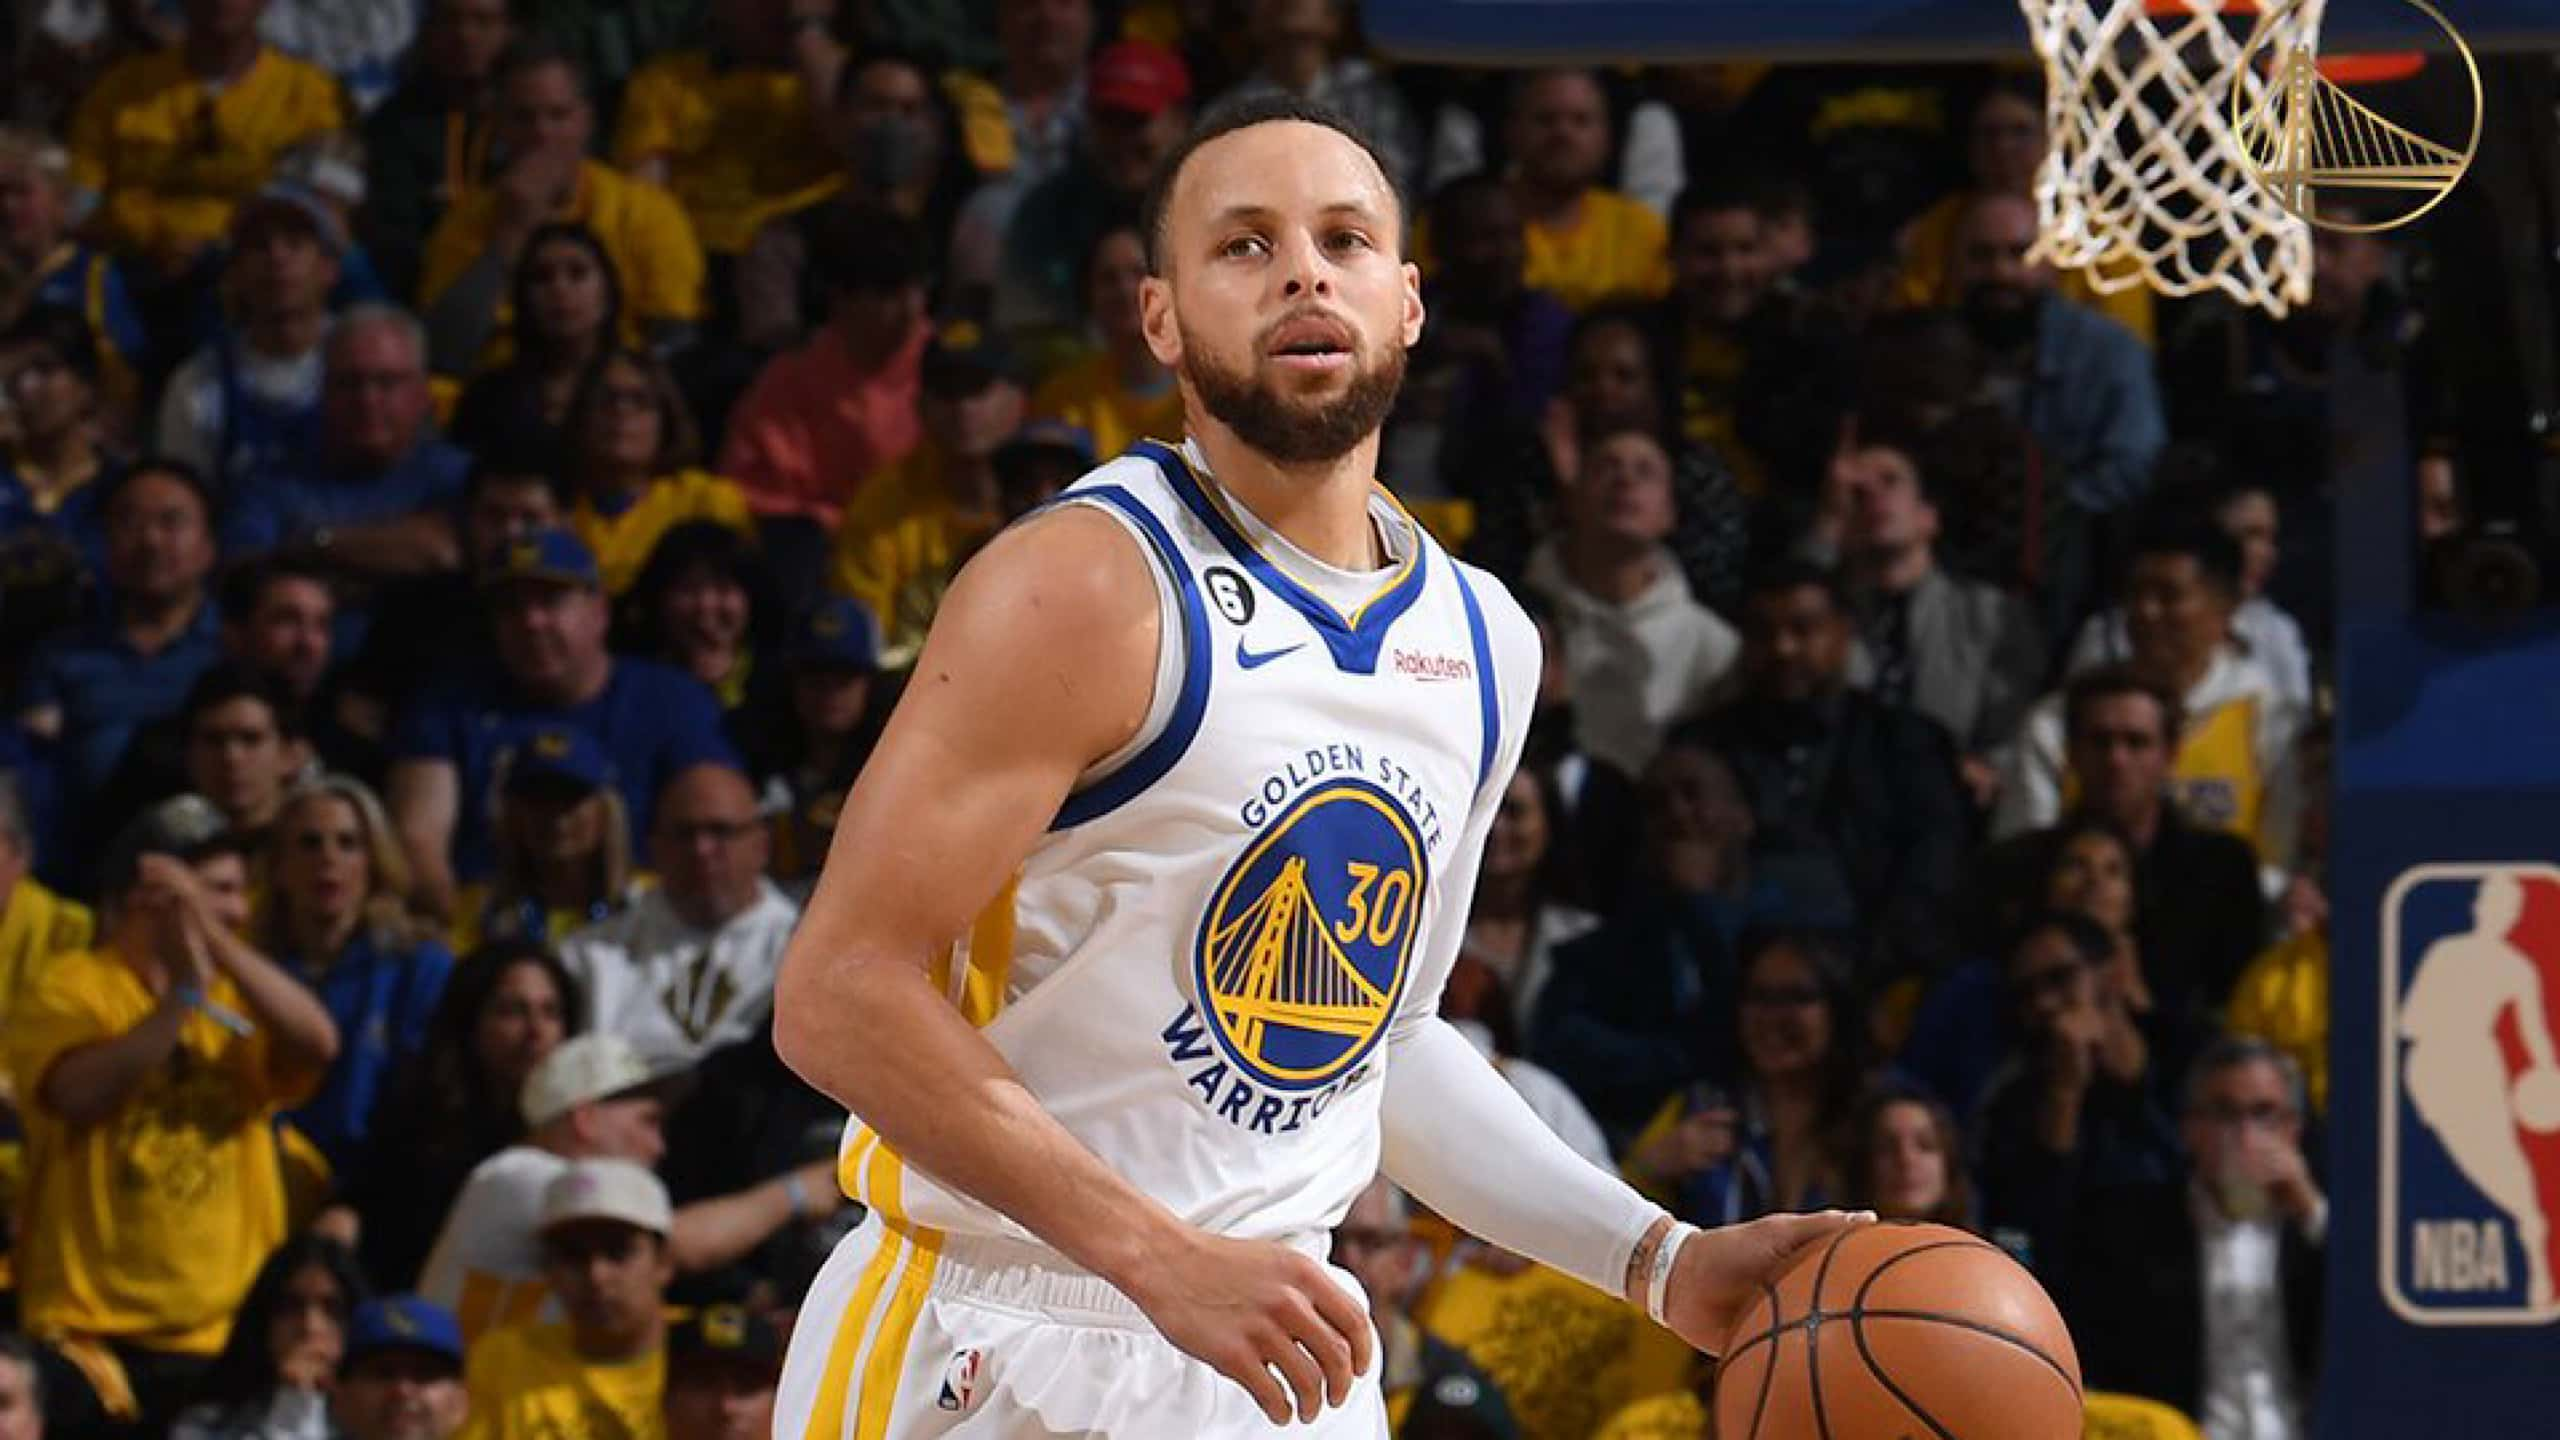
(904,1338)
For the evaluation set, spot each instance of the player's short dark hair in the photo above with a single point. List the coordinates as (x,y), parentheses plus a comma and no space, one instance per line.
(2183,532)
(1787,573)
(2110,682)
(1229,116)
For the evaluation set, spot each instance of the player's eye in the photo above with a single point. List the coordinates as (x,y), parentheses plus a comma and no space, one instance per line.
(1348,240)
(1243,247)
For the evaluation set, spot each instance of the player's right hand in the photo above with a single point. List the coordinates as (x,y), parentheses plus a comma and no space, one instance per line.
(1249,1308)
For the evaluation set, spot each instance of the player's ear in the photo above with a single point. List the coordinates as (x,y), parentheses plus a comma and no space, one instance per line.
(1156,320)
(1412,304)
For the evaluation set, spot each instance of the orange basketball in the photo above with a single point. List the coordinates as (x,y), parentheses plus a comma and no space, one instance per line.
(1894,1331)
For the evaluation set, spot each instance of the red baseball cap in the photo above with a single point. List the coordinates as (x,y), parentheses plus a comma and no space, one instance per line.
(1138,78)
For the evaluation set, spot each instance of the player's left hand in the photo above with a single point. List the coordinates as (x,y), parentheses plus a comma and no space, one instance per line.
(1720,1271)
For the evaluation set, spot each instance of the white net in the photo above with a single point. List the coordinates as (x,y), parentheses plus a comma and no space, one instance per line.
(2145,181)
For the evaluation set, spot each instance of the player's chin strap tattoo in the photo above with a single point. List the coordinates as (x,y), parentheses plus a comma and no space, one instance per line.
(1649,1268)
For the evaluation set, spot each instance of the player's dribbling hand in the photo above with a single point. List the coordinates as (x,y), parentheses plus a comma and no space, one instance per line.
(1720,1271)
(1250,1307)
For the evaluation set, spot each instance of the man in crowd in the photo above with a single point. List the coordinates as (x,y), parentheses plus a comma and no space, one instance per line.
(244,746)
(688,967)
(1299,45)
(168,142)
(553,668)
(279,617)
(594,1098)
(604,1232)
(248,405)
(724,1365)
(153,1069)
(401,1375)
(1587,242)
(42,264)
(92,688)
(370,496)
(546,119)
(1376,1243)
(1641,653)
(429,141)
(429,626)
(1023,126)
(1856,800)
(1512,336)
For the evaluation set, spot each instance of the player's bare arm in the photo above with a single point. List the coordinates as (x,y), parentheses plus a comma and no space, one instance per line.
(1041,661)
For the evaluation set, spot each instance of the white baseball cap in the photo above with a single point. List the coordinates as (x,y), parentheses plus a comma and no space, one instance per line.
(583,1070)
(607,1190)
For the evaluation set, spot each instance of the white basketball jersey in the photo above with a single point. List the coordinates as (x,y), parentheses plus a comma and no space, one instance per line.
(1199,968)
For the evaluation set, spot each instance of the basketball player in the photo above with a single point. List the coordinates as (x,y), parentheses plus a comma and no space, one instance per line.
(1127,951)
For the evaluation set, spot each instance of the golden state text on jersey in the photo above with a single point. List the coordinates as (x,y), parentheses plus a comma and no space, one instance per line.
(1201,967)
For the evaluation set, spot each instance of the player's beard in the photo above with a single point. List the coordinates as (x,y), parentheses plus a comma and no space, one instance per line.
(1289,431)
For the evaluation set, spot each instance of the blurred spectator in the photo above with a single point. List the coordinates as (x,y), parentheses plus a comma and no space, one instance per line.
(608,39)
(1511,335)
(1586,242)
(1857,805)
(169,141)
(337,915)
(724,1366)
(1300,48)
(279,618)
(2080,381)
(552,669)
(1023,126)
(1517,921)
(92,687)
(900,542)
(359,45)
(248,405)
(2246,510)
(402,1375)
(606,1251)
(507,1006)
(1716,1158)
(22,1407)
(1900,1157)
(1636,1009)
(593,1097)
(245,747)
(2005,144)
(831,661)
(1376,1244)
(1119,393)
(545,121)
(370,496)
(1643,654)
(273,1377)
(42,264)
(689,967)
(567,302)
(428,143)
(2235,767)
(2078,1109)
(820,420)
(734,128)
(706,606)
(155,1185)
(430,626)
(563,846)
(2282,996)
(55,460)
(1138,98)
(1961,652)
(2223,1249)
(37,926)
(632,451)
(892,132)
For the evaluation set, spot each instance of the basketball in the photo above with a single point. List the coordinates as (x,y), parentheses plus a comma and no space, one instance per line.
(1897,1330)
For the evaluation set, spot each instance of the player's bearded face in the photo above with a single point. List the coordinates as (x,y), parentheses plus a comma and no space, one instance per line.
(1294,418)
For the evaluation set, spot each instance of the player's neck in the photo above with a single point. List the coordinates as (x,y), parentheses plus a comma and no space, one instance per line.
(1322,508)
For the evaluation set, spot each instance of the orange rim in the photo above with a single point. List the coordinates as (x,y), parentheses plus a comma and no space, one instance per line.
(2380,69)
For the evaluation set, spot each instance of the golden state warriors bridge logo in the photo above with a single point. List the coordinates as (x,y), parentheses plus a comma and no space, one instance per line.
(1302,955)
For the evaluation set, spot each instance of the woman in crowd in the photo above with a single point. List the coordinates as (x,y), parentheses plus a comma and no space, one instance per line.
(338,916)
(705,605)
(632,447)
(1900,1157)
(563,847)
(568,308)
(508,1005)
(1716,1159)
(272,1380)
(1517,919)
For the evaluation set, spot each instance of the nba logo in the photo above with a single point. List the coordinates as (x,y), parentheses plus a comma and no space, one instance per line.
(2471,1094)
(960,1381)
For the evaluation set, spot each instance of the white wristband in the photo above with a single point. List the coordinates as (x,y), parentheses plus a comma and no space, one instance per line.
(1657,1278)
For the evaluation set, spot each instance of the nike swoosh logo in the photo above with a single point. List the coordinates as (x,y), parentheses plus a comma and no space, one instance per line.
(1250,660)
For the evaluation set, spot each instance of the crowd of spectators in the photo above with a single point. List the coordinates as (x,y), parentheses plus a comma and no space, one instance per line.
(472,475)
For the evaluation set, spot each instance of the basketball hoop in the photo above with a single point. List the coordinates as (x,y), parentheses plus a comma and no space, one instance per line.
(2145,180)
